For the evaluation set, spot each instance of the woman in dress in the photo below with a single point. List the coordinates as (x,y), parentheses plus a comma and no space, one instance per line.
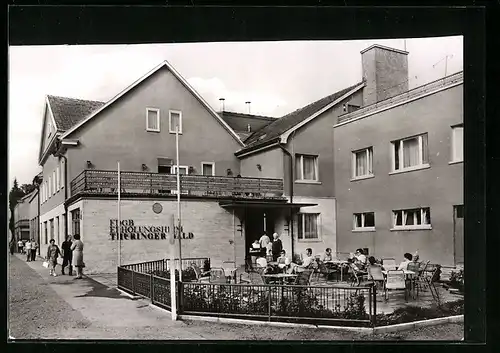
(53,253)
(77,248)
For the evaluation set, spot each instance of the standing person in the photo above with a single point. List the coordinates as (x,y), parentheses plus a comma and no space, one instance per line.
(12,246)
(263,241)
(67,255)
(27,247)
(77,248)
(34,248)
(53,253)
(276,247)
(20,246)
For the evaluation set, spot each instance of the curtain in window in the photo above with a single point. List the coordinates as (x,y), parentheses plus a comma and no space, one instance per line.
(309,168)
(458,143)
(298,168)
(207,169)
(410,152)
(175,121)
(425,149)
(370,160)
(310,226)
(152,120)
(361,161)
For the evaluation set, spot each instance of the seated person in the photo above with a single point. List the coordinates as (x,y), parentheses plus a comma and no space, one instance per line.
(327,256)
(256,244)
(261,262)
(308,262)
(372,262)
(283,260)
(407,259)
(360,259)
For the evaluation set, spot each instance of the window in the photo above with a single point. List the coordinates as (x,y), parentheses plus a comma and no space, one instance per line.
(183,170)
(174,121)
(75,221)
(306,167)
(457,143)
(362,163)
(308,225)
(410,153)
(152,119)
(364,221)
(45,232)
(417,218)
(52,228)
(58,180)
(56,226)
(459,211)
(208,168)
(50,187)
(54,186)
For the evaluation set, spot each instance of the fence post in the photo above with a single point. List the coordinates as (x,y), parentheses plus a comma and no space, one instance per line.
(269,303)
(180,292)
(133,282)
(374,317)
(152,288)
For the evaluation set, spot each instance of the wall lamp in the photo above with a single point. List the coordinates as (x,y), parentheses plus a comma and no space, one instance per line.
(259,167)
(144,167)
(89,164)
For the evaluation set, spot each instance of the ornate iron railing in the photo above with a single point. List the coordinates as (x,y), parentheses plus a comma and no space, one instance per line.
(164,265)
(106,182)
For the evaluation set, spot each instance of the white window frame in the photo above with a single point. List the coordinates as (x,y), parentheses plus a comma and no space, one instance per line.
(54,182)
(170,121)
(174,172)
(421,164)
(355,227)
(369,160)
(318,227)
(404,215)
(157,119)
(208,163)
(50,187)
(299,158)
(454,158)
(58,180)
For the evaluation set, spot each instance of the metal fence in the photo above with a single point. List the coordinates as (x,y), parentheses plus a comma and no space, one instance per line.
(164,265)
(346,305)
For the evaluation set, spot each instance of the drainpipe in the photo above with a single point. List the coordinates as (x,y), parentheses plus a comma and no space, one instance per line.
(39,239)
(290,226)
(60,155)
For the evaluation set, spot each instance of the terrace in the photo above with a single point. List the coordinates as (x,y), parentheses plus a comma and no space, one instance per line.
(319,300)
(101,182)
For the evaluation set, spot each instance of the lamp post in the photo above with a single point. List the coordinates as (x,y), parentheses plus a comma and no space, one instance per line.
(119,219)
(178,201)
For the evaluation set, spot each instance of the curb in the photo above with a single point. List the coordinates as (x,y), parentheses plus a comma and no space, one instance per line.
(133,297)
(417,324)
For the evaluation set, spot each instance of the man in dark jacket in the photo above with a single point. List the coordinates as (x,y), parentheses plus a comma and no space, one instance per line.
(67,255)
(277,247)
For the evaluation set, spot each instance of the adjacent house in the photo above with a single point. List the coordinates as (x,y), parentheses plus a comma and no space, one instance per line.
(22,218)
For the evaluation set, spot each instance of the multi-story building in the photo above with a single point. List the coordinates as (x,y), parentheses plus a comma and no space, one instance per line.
(399,174)
(22,218)
(241,174)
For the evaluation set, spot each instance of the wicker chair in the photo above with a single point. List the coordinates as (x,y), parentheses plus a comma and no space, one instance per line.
(218,275)
(395,280)
(200,276)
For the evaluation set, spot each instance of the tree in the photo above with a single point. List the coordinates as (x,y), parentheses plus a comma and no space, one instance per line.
(15,194)
(28,188)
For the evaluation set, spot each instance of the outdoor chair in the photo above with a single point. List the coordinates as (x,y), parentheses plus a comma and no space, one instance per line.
(389,263)
(395,280)
(200,276)
(376,276)
(304,278)
(218,275)
(228,266)
(357,276)
(430,278)
(325,271)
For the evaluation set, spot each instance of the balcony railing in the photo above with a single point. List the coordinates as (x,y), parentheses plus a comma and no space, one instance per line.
(140,183)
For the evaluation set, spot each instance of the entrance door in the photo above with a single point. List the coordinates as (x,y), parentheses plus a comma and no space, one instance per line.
(458,233)
(258,221)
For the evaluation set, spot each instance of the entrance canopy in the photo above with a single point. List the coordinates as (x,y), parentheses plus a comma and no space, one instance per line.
(263,204)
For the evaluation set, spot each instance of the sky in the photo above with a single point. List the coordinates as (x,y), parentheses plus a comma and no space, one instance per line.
(277,77)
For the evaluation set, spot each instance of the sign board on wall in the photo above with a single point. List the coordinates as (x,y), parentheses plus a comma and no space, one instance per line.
(130,231)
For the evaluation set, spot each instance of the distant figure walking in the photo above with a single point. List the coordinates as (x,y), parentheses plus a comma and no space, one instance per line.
(67,255)
(27,247)
(20,246)
(77,248)
(34,248)
(53,253)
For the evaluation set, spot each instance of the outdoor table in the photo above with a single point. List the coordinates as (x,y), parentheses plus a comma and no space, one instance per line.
(280,276)
(340,263)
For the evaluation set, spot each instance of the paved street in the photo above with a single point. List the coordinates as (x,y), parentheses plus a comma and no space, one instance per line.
(43,307)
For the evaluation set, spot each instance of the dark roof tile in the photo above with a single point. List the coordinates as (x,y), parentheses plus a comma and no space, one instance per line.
(276,128)
(70,111)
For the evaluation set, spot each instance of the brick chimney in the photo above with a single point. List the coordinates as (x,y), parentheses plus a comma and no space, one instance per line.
(385,72)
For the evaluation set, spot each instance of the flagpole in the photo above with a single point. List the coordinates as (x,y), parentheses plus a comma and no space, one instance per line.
(119,219)
(173,303)
(178,202)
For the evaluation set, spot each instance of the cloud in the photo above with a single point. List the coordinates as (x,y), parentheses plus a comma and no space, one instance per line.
(211,89)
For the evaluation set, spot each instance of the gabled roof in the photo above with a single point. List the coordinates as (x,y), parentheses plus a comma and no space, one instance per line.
(284,124)
(68,112)
(142,79)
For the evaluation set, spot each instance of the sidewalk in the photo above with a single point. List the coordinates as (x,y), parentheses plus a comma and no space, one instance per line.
(112,314)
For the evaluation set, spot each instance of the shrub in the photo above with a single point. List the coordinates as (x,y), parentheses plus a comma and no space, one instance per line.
(457,279)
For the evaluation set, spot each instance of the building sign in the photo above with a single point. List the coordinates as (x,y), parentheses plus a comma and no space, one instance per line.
(130,231)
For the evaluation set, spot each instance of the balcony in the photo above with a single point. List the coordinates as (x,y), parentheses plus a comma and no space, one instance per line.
(99,182)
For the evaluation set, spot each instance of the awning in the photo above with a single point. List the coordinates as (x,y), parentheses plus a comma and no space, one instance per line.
(263,204)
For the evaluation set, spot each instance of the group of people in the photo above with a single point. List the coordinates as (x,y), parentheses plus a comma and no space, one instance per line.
(360,262)
(264,247)
(27,247)
(72,254)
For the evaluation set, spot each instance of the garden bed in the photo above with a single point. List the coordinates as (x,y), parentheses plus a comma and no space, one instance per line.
(415,313)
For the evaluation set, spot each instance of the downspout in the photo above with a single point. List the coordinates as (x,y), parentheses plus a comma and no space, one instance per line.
(39,239)
(290,226)
(60,155)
